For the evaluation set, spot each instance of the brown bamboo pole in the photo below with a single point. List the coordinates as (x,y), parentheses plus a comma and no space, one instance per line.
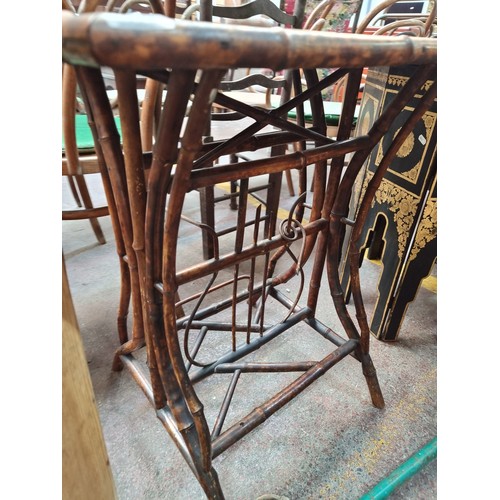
(221,417)
(297,160)
(238,244)
(163,158)
(168,361)
(336,166)
(298,366)
(169,43)
(149,112)
(209,267)
(136,185)
(251,281)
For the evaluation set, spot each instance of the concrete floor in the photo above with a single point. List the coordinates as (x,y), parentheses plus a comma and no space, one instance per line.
(328,443)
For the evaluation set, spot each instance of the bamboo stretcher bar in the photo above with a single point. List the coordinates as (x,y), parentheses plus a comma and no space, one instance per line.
(300,159)
(299,366)
(223,327)
(263,247)
(90,212)
(254,143)
(313,322)
(229,196)
(225,404)
(255,344)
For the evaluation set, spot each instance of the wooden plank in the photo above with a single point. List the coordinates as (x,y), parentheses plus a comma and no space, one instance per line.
(86,472)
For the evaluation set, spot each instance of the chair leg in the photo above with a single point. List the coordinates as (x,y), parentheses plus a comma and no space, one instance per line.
(289,182)
(233,204)
(87,203)
(272,202)
(74,191)
(207,208)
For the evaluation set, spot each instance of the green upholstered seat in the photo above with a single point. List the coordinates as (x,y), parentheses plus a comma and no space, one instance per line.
(84,139)
(332,113)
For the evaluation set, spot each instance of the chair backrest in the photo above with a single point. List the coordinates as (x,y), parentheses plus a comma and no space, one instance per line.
(259,13)
(250,266)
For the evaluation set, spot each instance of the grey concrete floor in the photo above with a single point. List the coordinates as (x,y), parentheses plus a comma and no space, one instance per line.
(328,443)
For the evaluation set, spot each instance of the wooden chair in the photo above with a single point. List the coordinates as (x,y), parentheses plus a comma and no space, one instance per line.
(75,164)
(236,302)
(250,89)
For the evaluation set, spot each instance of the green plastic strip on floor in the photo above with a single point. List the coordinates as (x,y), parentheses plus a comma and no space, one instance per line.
(404,472)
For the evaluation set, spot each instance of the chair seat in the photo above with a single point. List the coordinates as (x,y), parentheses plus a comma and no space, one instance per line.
(251,98)
(84,139)
(332,113)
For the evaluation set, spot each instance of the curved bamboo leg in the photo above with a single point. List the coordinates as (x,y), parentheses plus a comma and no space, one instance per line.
(191,143)
(339,211)
(337,293)
(175,386)
(354,252)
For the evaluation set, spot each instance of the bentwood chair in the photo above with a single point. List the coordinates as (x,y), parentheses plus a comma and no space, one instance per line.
(387,18)
(79,158)
(83,156)
(237,305)
(78,155)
